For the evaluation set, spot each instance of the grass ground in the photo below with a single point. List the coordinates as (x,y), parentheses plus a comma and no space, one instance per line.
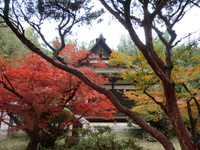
(14,143)
(157,145)
(146,144)
(20,142)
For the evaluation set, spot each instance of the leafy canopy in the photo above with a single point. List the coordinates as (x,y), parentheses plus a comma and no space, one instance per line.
(148,91)
(43,99)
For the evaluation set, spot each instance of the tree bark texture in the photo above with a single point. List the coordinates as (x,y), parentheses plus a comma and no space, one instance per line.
(34,143)
(174,114)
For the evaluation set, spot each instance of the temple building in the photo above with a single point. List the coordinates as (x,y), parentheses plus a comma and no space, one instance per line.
(116,84)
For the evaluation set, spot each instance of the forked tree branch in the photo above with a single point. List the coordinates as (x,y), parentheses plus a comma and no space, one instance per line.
(12,89)
(163,107)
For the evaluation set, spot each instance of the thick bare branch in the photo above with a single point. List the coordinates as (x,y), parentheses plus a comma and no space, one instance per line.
(159,7)
(114,13)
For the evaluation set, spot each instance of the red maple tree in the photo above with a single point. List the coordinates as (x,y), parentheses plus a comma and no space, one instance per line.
(42,100)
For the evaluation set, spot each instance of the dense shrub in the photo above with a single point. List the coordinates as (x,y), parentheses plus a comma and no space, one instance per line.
(106,143)
(102,139)
(162,124)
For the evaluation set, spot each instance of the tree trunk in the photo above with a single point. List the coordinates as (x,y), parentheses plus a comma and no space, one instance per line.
(34,144)
(40,141)
(176,118)
(198,145)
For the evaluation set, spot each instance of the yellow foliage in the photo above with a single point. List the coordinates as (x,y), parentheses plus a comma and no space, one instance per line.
(120,60)
(150,112)
(183,75)
(143,79)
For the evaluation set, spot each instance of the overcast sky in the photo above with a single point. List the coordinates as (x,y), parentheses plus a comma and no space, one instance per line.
(112,31)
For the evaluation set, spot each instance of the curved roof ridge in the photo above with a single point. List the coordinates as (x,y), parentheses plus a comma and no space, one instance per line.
(101,41)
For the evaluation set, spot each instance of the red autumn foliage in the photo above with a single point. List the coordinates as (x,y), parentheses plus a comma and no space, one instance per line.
(33,90)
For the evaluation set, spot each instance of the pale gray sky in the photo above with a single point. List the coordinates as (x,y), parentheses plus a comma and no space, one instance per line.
(190,23)
(112,31)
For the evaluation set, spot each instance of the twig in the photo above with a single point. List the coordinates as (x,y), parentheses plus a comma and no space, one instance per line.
(159,103)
